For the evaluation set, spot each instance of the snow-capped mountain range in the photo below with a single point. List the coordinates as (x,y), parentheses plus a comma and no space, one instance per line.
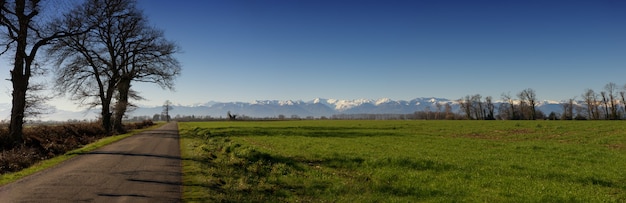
(322,107)
(273,108)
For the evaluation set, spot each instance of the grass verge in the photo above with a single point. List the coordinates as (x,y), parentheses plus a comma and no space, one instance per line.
(11,177)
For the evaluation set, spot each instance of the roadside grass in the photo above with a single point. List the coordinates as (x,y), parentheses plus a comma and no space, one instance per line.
(404,161)
(44,164)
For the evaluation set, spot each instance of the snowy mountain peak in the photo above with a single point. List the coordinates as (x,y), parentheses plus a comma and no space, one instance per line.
(382,101)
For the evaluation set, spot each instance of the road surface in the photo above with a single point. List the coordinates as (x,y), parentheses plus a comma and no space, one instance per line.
(142,168)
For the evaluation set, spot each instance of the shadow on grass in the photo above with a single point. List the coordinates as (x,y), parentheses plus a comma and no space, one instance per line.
(243,174)
(308,131)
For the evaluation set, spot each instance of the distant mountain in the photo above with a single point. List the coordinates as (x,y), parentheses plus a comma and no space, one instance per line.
(273,108)
(321,107)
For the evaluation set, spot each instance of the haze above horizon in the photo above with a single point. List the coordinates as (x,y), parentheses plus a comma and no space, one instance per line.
(347,49)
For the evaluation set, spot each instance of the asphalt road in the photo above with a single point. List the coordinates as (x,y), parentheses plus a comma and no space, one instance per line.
(142,168)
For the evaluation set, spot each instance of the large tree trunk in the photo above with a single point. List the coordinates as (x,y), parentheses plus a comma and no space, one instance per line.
(105,98)
(123,88)
(106,118)
(20,85)
(19,75)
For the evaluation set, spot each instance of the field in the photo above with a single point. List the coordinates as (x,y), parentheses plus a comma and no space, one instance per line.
(404,161)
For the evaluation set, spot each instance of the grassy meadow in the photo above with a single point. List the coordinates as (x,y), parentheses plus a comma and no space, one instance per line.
(404,161)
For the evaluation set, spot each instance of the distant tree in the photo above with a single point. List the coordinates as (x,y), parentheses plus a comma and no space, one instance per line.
(529,97)
(568,110)
(466,106)
(552,116)
(167,107)
(540,115)
(511,104)
(611,89)
(156,117)
(231,117)
(477,107)
(490,108)
(605,104)
(623,96)
(448,111)
(591,101)
(438,105)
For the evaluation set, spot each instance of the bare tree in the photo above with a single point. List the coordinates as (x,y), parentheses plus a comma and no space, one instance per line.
(477,107)
(490,108)
(438,105)
(233,117)
(167,107)
(568,110)
(591,101)
(611,89)
(528,97)
(466,106)
(605,103)
(507,98)
(448,111)
(25,34)
(623,96)
(120,49)
(146,57)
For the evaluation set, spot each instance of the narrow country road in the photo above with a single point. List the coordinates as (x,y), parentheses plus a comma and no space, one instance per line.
(142,168)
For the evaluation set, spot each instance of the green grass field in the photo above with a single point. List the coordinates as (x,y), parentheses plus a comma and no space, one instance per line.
(404,161)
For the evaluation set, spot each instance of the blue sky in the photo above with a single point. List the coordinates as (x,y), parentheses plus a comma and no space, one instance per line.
(348,49)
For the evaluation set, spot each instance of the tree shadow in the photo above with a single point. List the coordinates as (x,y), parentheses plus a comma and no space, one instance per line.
(308,131)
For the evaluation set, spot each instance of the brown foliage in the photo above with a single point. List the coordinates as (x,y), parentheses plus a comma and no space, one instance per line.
(46,141)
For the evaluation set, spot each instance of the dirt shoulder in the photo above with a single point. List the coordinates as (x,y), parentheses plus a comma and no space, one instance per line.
(143,168)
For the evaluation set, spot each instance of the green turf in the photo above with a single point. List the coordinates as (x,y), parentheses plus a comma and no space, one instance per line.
(404,161)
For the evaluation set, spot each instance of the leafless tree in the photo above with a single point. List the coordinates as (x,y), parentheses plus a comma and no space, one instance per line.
(511,110)
(438,105)
(611,89)
(490,108)
(167,107)
(122,48)
(25,32)
(605,103)
(591,101)
(528,97)
(466,106)
(568,110)
(623,96)
(448,111)
(477,107)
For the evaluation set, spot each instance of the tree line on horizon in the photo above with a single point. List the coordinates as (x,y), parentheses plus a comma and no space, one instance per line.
(98,49)
(608,104)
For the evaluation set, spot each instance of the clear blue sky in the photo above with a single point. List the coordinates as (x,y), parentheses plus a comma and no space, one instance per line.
(348,49)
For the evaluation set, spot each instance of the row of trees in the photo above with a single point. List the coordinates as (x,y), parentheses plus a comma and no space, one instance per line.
(524,107)
(608,104)
(98,47)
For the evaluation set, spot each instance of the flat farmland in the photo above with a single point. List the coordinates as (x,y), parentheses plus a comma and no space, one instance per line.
(404,161)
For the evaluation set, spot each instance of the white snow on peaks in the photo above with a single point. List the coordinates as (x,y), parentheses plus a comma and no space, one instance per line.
(341,105)
(551,102)
(286,103)
(276,102)
(382,101)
